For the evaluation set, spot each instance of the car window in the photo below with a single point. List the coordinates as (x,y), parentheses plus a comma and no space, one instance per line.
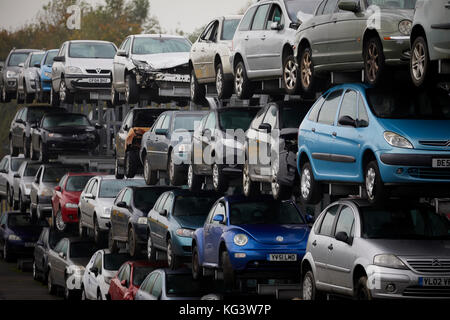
(291,116)
(159,45)
(113,262)
(160,202)
(168,204)
(120,274)
(119,197)
(345,221)
(110,188)
(16,163)
(229,28)
(94,188)
(271,116)
(320,8)
(193,205)
(348,105)
(124,44)
(92,50)
(157,287)
(159,122)
(363,117)
(268,212)
(149,282)
(276,15)
(393,4)
(140,273)
(145,199)
(99,262)
(65,247)
(76,183)
(258,119)
(206,34)
(328,221)
(327,114)
(330,7)
(166,123)
(260,17)
(127,197)
(126,275)
(59,246)
(211,213)
(214,32)
(38,175)
(220,210)
(6,167)
(211,122)
(247,20)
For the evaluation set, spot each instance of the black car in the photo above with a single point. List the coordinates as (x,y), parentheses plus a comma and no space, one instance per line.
(47,240)
(63,133)
(218,146)
(166,147)
(19,132)
(18,235)
(273,134)
(129,217)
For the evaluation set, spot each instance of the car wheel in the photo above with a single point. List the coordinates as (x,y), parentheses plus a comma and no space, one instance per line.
(307,75)
(43,156)
(33,155)
(22,204)
(131,163)
(374,186)
(26,147)
(118,171)
(198,91)
(290,75)
(133,246)
(83,294)
(197,270)
(114,96)
(35,272)
(220,181)
(64,95)
(5,96)
(310,190)
(175,177)
(13,151)
(131,90)
(362,290)
(242,85)
(9,196)
(250,188)
(19,97)
(51,288)
(28,97)
(374,62)
(280,191)
(59,222)
(112,244)
(150,176)
(97,232)
(151,251)
(224,88)
(229,277)
(82,231)
(194,181)
(420,64)
(310,291)
(54,98)
(172,258)
(99,295)
(7,256)
(33,213)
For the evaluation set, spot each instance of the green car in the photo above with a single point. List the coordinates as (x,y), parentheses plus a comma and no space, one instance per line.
(351,35)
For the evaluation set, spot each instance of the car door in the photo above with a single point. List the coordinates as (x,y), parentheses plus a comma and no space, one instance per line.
(273,40)
(207,140)
(88,275)
(154,216)
(116,214)
(125,214)
(83,200)
(119,65)
(4,164)
(210,52)
(122,290)
(152,148)
(3,224)
(162,142)
(15,128)
(59,264)
(212,235)
(252,138)
(115,287)
(122,136)
(265,142)
(91,203)
(95,279)
(198,53)
(255,55)
(39,250)
(58,68)
(197,155)
(35,186)
(163,221)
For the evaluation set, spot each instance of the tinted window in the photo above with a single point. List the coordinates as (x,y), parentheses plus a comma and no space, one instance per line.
(363,117)
(113,262)
(271,116)
(81,249)
(66,120)
(54,174)
(143,119)
(268,212)
(182,285)
(329,109)
(36,114)
(92,50)
(260,17)
(346,221)
(145,199)
(111,188)
(276,15)
(157,287)
(292,117)
(140,273)
(229,28)
(236,119)
(327,222)
(18,220)
(348,105)
(16,163)
(186,122)
(211,122)
(247,20)
(36,59)
(49,58)
(77,183)
(160,45)
(195,205)
(17,58)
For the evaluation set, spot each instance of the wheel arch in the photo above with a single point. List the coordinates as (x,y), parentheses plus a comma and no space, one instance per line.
(368,34)
(287,51)
(367,157)
(217,61)
(418,31)
(358,272)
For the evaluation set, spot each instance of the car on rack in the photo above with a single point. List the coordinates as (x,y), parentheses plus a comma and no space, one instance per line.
(165,149)
(9,166)
(46,179)
(210,58)
(258,238)
(129,218)
(45,76)
(263,45)
(66,266)
(397,250)
(128,140)
(47,241)
(172,222)
(153,67)
(218,147)
(271,149)
(65,199)
(28,79)
(100,270)
(96,200)
(20,129)
(82,71)
(63,134)
(379,33)
(430,53)
(18,235)
(130,277)
(23,180)
(10,73)
(388,141)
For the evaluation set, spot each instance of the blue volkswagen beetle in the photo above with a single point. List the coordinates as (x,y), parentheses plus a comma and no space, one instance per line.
(251,238)
(46,75)
(381,139)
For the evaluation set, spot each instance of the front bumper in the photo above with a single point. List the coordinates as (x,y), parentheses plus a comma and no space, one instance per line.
(11,85)
(141,232)
(104,222)
(182,246)
(88,82)
(167,84)
(396,49)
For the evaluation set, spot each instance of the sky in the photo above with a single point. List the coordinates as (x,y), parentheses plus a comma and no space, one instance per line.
(186,15)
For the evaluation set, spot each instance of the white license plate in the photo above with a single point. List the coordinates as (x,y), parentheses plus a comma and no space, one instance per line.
(99,80)
(441,163)
(29,245)
(173,77)
(434,282)
(282,257)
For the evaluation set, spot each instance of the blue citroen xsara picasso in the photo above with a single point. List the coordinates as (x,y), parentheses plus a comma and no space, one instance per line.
(380,139)
(46,75)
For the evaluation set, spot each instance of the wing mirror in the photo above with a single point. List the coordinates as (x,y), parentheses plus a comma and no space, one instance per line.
(94,270)
(37,65)
(62,255)
(122,204)
(21,65)
(17,175)
(3,171)
(122,53)
(163,213)
(347,121)
(343,237)
(351,6)
(59,59)
(309,218)
(265,127)
(20,121)
(98,126)
(124,283)
(219,218)
(276,26)
(58,189)
(89,196)
(161,132)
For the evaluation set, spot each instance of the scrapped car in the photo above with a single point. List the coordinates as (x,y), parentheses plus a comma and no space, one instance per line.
(217,149)
(23,180)
(28,79)
(263,45)
(351,36)
(172,222)
(165,149)
(210,58)
(129,218)
(367,252)
(66,266)
(9,166)
(380,139)
(153,67)
(47,241)
(82,71)
(18,235)
(128,140)
(251,238)
(430,44)
(20,129)
(95,204)
(273,134)
(100,270)
(45,76)
(63,134)
(10,73)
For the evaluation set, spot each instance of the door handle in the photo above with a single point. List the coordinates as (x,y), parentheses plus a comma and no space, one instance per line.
(246,38)
(334,134)
(330,247)
(313,130)
(263,37)
(314,243)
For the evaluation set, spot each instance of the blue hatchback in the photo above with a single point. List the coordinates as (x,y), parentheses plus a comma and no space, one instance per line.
(46,75)
(381,139)
(251,238)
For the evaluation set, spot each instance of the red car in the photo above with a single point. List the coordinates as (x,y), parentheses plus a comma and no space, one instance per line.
(66,197)
(130,277)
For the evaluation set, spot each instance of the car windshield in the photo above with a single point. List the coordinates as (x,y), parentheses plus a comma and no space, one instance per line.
(421,222)
(145,198)
(31,170)
(305,6)
(50,56)
(54,237)
(229,28)
(17,58)
(113,262)
(140,273)
(268,212)
(77,183)
(110,188)
(182,285)
(36,59)
(195,205)
(65,120)
(16,163)
(82,249)
(92,50)
(145,118)
(431,104)
(393,4)
(236,119)
(36,114)
(54,174)
(160,45)
(20,220)
(186,122)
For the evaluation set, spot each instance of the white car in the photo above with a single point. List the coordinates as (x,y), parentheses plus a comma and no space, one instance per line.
(29,77)
(102,267)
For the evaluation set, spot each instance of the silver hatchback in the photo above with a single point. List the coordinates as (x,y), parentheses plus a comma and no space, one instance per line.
(399,251)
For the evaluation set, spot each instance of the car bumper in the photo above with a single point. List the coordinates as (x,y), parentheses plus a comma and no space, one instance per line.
(167,84)
(11,85)
(287,171)
(439,41)
(182,246)
(69,215)
(46,85)
(82,82)
(141,233)
(396,49)
(103,223)
(71,146)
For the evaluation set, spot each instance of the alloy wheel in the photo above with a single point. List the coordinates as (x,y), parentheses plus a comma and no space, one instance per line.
(169,254)
(190,177)
(239,80)
(418,60)
(372,62)
(219,82)
(307,288)
(60,224)
(150,249)
(34,271)
(127,90)
(370,182)
(290,75)
(246,178)
(306,70)
(171,169)
(305,183)
(62,91)
(215,176)
(131,244)
(192,86)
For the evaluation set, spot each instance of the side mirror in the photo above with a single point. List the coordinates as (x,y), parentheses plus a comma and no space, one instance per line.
(122,53)
(122,204)
(3,171)
(343,237)
(124,283)
(349,6)
(219,218)
(16,175)
(265,127)
(20,121)
(347,121)
(309,218)
(37,65)
(163,213)
(21,65)
(62,255)
(276,26)
(89,196)
(58,189)
(161,132)
(98,126)
(59,59)
(34,126)
(94,270)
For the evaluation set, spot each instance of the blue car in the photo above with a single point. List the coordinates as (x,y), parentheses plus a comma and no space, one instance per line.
(45,74)
(251,238)
(389,141)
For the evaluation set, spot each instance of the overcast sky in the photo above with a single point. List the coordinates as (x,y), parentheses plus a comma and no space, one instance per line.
(184,14)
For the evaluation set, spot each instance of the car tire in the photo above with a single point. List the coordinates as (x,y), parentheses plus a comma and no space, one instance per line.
(150,176)
(374,62)
(50,286)
(280,191)
(65,96)
(7,256)
(19,97)
(194,181)
(197,270)
(151,250)
(242,85)
(33,213)
(250,188)
(310,190)
(112,244)
(13,151)
(172,259)
(6,97)
(220,180)
(224,88)
(98,234)
(174,171)
(290,76)
(28,98)
(131,164)
(421,68)
(59,223)
(131,89)
(229,276)
(9,196)
(33,155)
(35,272)
(54,98)
(310,291)
(99,295)
(373,184)
(307,73)
(83,294)
(26,147)
(43,154)
(362,290)
(133,246)
(114,97)
(22,204)
(118,171)
(82,231)
(197,91)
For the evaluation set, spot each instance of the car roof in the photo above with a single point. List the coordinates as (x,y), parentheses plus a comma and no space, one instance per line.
(23,50)
(391,203)
(85,174)
(89,41)
(165,188)
(237,108)
(357,86)
(242,198)
(63,114)
(186,192)
(157,35)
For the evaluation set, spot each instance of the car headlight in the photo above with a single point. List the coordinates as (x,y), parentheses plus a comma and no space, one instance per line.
(11,74)
(388,261)
(405,27)
(46,192)
(48,74)
(72,70)
(397,140)
(240,240)
(142,65)
(71,206)
(13,237)
(185,233)
(107,211)
(55,135)
(142,220)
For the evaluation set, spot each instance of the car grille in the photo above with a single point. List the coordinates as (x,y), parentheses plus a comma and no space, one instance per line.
(437,143)
(94,71)
(430,265)
(429,173)
(178,70)
(432,292)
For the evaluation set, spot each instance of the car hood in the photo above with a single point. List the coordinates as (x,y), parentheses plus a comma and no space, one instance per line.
(72,197)
(268,233)
(82,262)
(192,222)
(72,130)
(105,202)
(164,60)
(91,63)
(397,14)
(27,233)
(410,248)
(15,69)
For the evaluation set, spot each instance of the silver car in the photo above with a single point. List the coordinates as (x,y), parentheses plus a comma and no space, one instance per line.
(23,180)
(210,58)
(8,169)
(263,45)
(82,71)
(401,250)
(28,79)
